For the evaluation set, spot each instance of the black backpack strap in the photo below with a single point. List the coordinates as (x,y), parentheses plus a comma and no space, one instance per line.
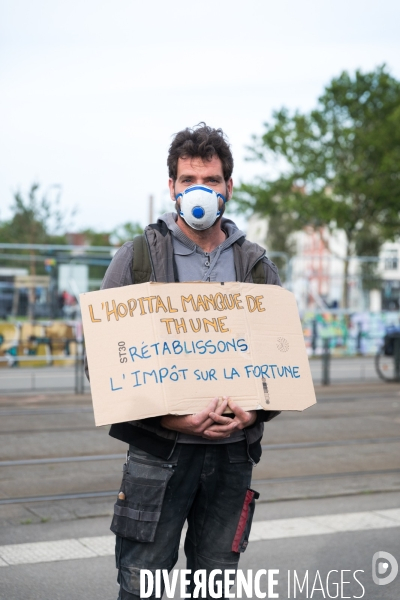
(141,265)
(162,228)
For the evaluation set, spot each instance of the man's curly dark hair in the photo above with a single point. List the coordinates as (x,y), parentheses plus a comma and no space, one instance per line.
(203,142)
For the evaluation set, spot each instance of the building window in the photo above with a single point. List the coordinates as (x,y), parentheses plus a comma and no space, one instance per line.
(391,260)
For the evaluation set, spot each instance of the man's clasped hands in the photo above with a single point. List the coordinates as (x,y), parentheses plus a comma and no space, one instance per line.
(210,422)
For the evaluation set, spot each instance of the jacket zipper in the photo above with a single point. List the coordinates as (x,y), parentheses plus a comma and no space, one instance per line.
(244,430)
(247,448)
(152,463)
(173,447)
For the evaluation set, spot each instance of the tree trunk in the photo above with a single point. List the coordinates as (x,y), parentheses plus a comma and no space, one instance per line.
(31,291)
(345,292)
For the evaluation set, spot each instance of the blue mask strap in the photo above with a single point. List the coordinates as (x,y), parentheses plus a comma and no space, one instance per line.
(221,196)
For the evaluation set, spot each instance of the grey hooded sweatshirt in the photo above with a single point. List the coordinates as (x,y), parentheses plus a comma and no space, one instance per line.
(233,260)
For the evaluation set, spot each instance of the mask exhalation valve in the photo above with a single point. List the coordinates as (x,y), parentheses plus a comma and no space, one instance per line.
(199,206)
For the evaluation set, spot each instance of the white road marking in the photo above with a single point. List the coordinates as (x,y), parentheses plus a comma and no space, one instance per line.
(102,545)
(324,524)
(38,552)
(90,547)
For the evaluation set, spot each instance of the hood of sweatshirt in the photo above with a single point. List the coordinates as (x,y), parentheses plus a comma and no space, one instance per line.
(231,229)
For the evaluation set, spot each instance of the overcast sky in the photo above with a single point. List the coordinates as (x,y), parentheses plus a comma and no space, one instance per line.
(92,91)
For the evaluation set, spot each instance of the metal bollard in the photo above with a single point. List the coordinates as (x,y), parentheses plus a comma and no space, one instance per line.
(314,337)
(326,359)
(396,357)
(359,338)
(79,364)
(76,372)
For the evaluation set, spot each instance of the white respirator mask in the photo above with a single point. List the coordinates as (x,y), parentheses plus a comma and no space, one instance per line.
(199,206)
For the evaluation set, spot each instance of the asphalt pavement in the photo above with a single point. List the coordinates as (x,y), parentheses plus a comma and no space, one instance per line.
(329,481)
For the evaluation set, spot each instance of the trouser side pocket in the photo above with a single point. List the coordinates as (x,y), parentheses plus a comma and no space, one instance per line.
(138,507)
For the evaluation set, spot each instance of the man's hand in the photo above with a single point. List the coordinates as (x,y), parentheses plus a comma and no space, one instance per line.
(209,423)
(225,425)
(197,424)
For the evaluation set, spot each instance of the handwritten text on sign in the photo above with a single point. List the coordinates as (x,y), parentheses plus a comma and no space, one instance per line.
(212,339)
(202,303)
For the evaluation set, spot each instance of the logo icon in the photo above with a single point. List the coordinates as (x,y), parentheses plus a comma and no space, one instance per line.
(381,561)
(282,344)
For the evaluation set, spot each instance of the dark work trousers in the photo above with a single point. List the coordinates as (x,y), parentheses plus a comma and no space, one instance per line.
(205,484)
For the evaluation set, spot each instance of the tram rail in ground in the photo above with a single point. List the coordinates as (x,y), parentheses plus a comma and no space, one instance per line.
(303,458)
(272,480)
(270,447)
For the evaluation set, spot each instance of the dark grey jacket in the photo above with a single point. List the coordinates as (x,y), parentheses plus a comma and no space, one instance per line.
(148,434)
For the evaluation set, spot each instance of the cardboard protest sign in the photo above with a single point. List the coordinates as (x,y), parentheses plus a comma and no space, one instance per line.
(160,348)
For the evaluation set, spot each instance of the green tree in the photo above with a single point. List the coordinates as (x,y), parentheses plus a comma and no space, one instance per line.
(125,232)
(118,236)
(96,238)
(335,166)
(35,221)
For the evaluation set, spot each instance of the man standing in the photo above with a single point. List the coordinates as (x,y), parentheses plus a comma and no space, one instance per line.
(195,467)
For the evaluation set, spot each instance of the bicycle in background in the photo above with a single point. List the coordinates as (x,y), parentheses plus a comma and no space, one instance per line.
(387,359)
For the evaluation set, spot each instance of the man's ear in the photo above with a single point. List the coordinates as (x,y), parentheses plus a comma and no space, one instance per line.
(171,185)
(229,189)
